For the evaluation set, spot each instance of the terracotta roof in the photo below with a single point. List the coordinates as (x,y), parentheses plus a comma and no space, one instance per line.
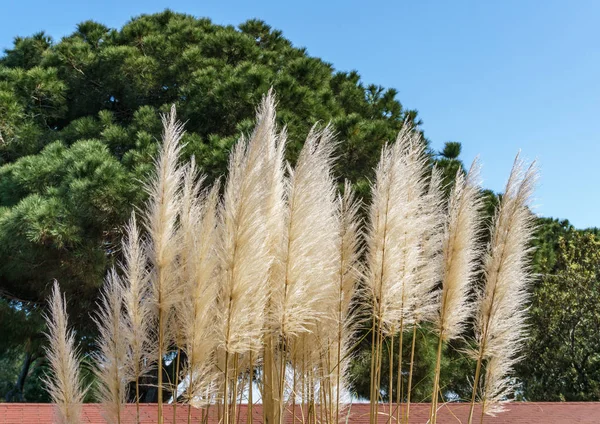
(519,413)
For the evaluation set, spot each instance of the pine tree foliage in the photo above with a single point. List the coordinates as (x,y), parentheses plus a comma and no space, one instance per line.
(80,120)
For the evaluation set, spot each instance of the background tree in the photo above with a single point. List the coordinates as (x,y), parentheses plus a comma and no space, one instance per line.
(20,351)
(448,160)
(562,355)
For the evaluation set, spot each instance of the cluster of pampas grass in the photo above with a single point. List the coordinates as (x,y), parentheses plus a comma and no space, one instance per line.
(403,242)
(262,281)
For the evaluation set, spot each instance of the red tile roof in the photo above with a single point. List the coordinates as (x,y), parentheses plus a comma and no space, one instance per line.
(519,413)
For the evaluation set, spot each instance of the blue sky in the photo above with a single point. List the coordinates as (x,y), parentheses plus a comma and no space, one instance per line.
(496,76)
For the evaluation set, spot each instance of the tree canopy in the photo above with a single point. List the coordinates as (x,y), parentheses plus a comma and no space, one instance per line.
(79,121)
(564,342)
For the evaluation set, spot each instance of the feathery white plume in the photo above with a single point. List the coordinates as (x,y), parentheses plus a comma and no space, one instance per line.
(64,382)
(349,272)
(275,209)
(135,299)
(395,233)
(460,250)
(161,224)
(501,307)
(299,300)
(199,265)
(425,305)
(111,357)
(244,256)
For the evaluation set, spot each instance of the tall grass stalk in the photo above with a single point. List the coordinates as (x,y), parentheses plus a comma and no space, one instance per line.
(501,306)
(460,252)
(243,251)
(395,251)
(136,308)
(275,209)
(399,385)
(378,241)
(111,357)
(198,269)
(333,332)
(431,227)
(64,381)
(299,297)
(161,224)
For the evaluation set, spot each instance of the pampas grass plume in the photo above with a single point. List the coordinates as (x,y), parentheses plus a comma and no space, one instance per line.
(460,252)
(64,381)
(501,306)
(394,235)
(243,253)
(245,248)
(310,238)
(199,262)
(161,224)
(135,302)
(111,357)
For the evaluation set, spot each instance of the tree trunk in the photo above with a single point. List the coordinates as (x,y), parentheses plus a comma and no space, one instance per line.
(16,393)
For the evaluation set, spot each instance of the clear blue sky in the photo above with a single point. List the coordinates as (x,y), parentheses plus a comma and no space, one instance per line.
(498,76)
